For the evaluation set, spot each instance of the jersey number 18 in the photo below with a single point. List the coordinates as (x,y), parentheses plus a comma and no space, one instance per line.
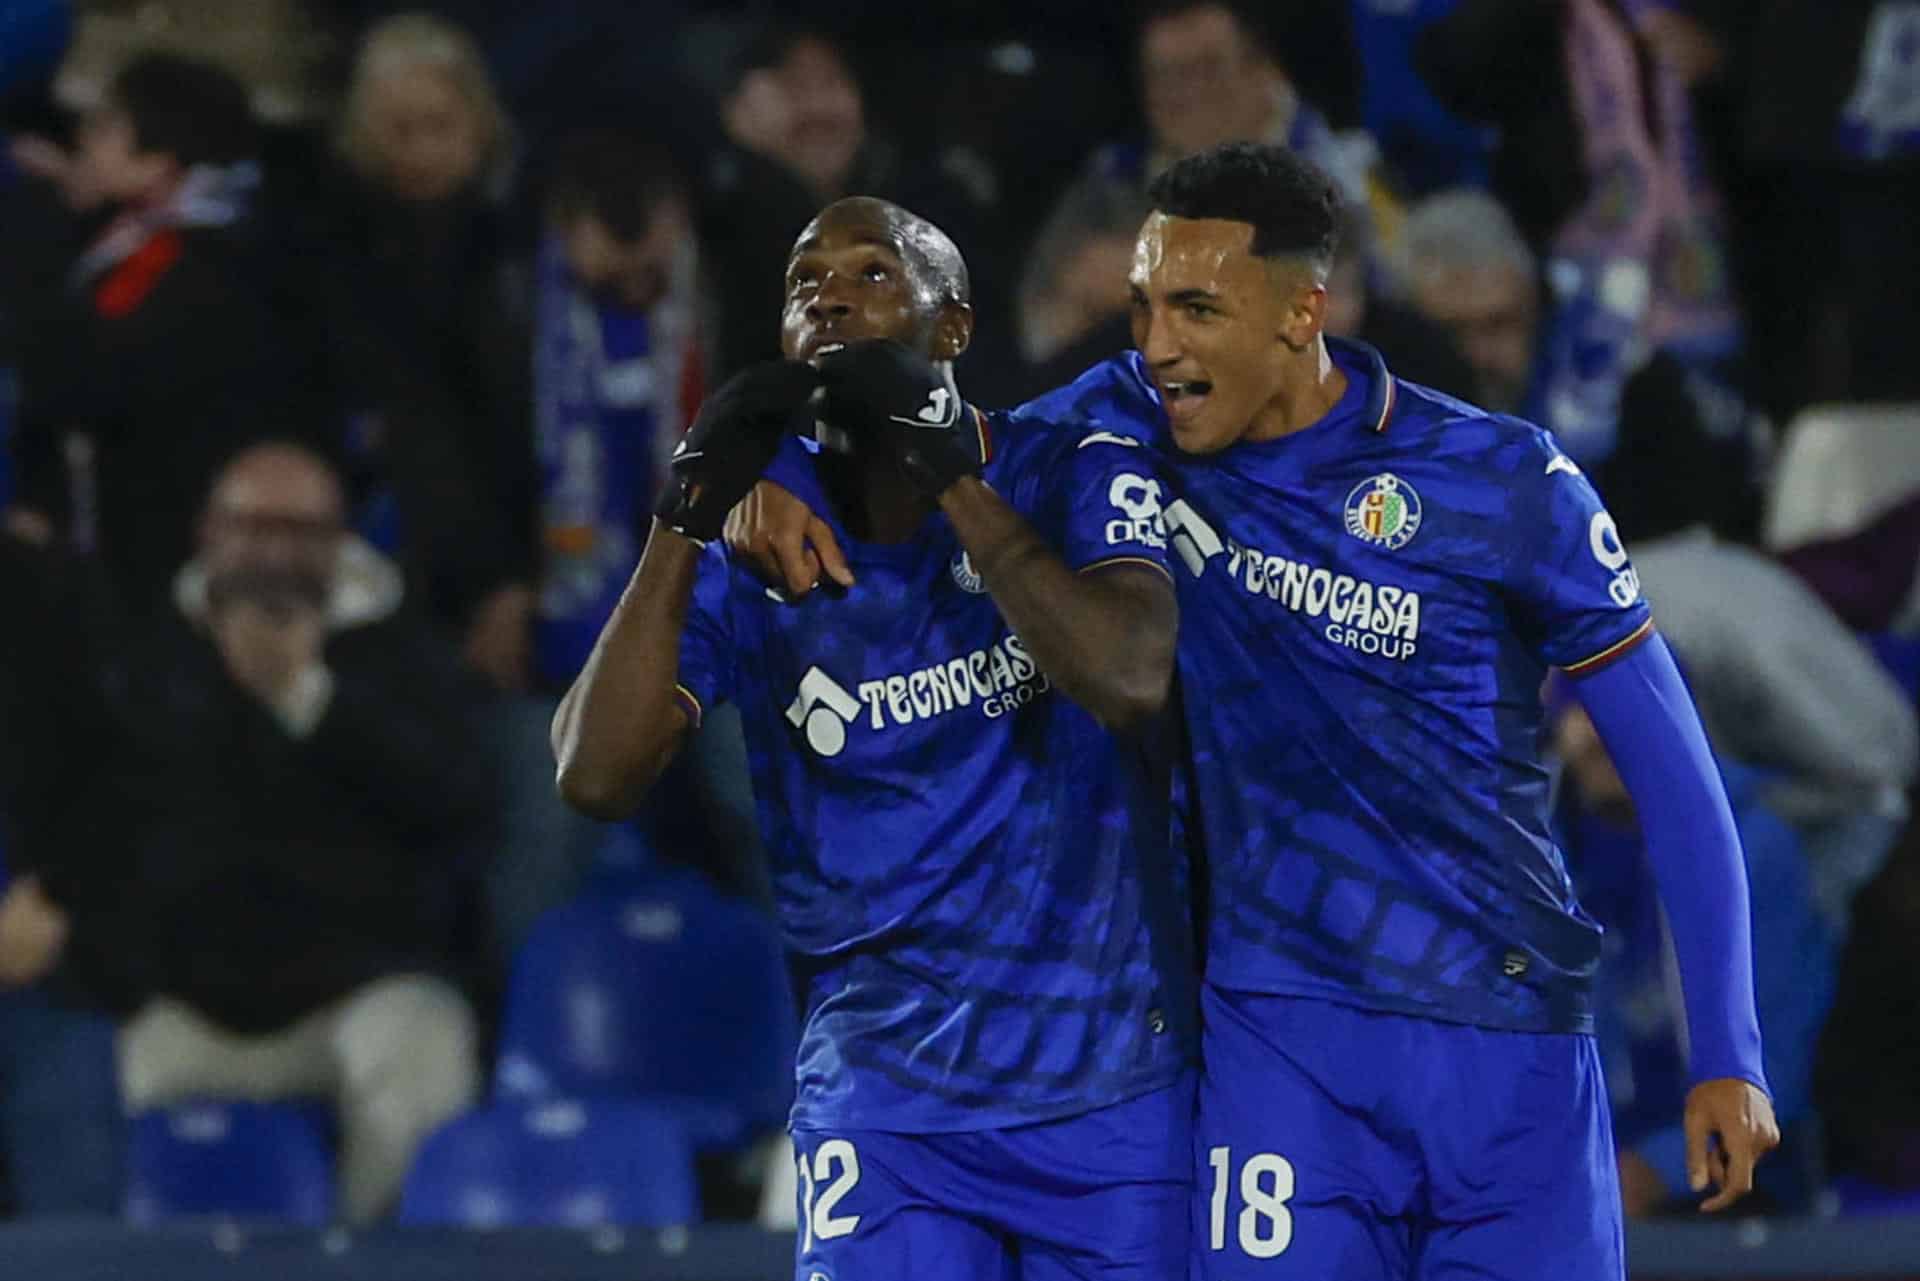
(1266,1185)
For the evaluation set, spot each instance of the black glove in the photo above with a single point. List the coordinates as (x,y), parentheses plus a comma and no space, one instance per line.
(734,437)
(892,399)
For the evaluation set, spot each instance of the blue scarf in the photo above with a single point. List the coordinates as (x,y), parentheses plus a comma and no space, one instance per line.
(613,390)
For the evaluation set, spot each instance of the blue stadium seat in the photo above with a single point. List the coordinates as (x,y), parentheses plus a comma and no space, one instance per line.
(560,1163)
(230,1159)
(675,991)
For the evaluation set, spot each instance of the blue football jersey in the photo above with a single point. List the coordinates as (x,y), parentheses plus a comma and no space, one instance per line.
(969,867)
(1368,609)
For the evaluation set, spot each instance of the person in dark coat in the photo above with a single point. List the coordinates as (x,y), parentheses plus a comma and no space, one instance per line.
(311,803)
(155,354)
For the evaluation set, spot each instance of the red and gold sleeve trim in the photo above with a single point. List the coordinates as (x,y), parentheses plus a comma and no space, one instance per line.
(690,704)
(1125,560)
(1612,653)
(986,434)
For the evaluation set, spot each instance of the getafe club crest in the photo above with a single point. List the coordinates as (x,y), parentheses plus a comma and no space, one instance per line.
(1383,510)
(965,576)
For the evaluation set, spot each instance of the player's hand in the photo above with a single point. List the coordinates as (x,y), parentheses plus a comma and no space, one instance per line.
(734,437)
(895,400)
(1730,1126)
(780,538)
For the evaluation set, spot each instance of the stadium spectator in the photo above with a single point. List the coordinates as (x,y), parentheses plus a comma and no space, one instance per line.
(1829,151)
(618,374)
(60,1129)
(619,371)
(1785,687)
(1211,72)
(1782,683)
(1468,268)
(619,368)
(1640,1017)
(277,49)
(1073,296)
(414,279)
(1603,169)
(1416,348)
(154,353)
(303,746)
(799,135)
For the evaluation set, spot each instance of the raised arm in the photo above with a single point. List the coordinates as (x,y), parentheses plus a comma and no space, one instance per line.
(620,723)
(624,716)
(1104,636)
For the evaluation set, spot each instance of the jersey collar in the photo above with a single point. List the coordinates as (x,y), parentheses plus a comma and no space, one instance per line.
(1361,361)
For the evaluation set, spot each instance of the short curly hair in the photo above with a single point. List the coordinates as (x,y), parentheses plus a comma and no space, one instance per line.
(1293,208)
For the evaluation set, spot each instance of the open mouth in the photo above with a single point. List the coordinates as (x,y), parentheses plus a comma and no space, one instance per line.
(823,350)
(1184,398)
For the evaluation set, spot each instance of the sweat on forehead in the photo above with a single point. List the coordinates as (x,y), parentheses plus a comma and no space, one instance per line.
(927,250)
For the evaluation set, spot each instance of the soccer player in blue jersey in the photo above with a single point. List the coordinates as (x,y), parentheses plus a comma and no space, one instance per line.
(1399,1073)
(959,778)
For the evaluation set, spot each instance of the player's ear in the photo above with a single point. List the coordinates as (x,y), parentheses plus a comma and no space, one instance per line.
(1305,315)
(953,331)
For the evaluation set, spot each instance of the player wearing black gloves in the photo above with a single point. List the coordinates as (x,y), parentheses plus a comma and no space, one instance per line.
(876,312)
(733,438)
(897,403)
(970,863)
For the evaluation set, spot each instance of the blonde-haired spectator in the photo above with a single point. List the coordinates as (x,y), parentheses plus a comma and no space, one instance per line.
(418,286)
(422,119)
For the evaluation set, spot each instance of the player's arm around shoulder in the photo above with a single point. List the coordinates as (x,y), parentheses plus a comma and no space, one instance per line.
(1085,583)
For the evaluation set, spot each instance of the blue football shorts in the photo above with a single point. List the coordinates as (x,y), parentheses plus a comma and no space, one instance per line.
(1099,1195)
(1333,1143)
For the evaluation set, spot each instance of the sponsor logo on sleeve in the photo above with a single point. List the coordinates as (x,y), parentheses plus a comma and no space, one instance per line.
(1140,521)
(1603,539)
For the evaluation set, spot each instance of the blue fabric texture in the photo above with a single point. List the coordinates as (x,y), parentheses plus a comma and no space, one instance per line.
(1346,1144)
(1645,716)
(1100,1195)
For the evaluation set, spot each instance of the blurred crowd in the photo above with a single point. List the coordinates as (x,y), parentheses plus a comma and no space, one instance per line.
(342,344)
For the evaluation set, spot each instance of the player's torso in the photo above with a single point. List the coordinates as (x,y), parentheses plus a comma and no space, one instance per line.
(1365,733)
(1362,707)
(956,851)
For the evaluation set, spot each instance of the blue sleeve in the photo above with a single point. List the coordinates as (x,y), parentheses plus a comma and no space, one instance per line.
(1794,953)
(706,677)
(1575,594)
(1101,505)
(1641,708)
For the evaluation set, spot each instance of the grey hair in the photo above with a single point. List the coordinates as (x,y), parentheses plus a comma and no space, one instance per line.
(406,41)
(1463,228)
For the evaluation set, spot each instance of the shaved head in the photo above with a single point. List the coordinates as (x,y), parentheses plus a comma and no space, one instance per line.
(940,273)
(280,478)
